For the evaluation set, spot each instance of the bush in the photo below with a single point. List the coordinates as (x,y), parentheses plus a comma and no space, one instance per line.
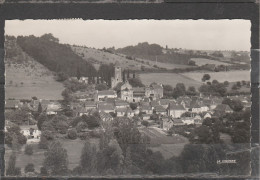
(28,150)
(145,123)
(43,171)
(29,168)
(43,144)
(94,134)
(72,134)
(83,136)
(48,135)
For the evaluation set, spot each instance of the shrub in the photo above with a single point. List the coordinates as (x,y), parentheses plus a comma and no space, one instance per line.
(94,134)
(83,136)
(29,168)
(72,134)
(43,144)
(48,135)
(145,123)
(28,150)
(43,171)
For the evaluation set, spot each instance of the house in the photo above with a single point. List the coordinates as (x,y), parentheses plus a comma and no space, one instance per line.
(187,120)
(154,103)
(165,102)
(12,104)
(160,110)
(105,117)
(146,109)
(124,112)
(154,91)
(223,108)
(138,94)
(146,116)
(121,104)
(195,107)
(53,108)
(31,132)
(83,80)
(177,122)
(206,115)
(90,105)
(167,123)
(107,108)
(175,110)
(102,95)
(80,111)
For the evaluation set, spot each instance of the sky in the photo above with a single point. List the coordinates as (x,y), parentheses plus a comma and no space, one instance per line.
(186,34)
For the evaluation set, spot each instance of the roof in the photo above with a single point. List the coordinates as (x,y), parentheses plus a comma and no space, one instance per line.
(177,121)
(89,104)
(81,110)
(157,86)
(12,103)
(223,107)
(104,107)
(145,107)
(104,115)
(173,106)
(160,109)
(165,101)
(139,90)
(194,104)
(154,103)
(121,103)
(106,93)
(124,110)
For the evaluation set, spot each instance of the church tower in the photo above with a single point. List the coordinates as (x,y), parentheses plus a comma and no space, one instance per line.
(118,76)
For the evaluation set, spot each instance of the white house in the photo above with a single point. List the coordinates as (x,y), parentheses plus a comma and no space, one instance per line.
(31,132)
(175,110)
(102,95)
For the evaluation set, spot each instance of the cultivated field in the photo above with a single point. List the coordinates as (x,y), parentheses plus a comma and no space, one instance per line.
(168,145)
(73,148)
(203,61)
(33,79)
(169,78)
(231,76)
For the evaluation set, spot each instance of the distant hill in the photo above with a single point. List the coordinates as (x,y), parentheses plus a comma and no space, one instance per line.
(55,56)
(25,77)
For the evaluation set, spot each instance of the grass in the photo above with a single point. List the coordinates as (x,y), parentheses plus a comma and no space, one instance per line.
(25,81)
(168,145)
(231,76)
(73,148)
(203,61)
(169,78)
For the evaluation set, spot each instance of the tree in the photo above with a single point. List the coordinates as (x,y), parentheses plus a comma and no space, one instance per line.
(56,159)
(128,74)
(135,82)
(41,119)
(133,106)
(123,75)
(72,134)
(88,158)
(191,91)
(215,82)
(205,77)
(226,83)
(29,168)
(12,170)
(43,144)
(145,123)
(40,108)
(179,90)
(43,171)
(28,150)
(101,87)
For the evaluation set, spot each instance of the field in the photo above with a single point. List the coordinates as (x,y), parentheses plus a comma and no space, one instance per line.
(203,61)
(168,145)
(33,79)
(231,76)
(97,56)
(169,78)
(73,148)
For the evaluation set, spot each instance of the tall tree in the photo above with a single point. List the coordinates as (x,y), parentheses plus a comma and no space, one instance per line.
(128,74)
(78,73)
(40,108)
(56,159)
(88,158)
(123,75)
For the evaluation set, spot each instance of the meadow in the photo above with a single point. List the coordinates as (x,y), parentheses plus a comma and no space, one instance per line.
(169,79)
(203,61)
(169,146)
(33,79)
(231,76)
(73,148)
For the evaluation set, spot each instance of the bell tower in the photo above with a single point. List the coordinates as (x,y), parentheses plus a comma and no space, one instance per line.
(118,74)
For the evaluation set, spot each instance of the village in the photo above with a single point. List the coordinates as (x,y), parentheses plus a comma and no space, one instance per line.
(147,105)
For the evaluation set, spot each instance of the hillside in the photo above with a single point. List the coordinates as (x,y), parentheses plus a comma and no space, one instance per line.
(97,57)
(25,77)
(55,56)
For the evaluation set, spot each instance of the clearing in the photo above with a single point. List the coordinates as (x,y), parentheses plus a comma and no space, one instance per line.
(168,145)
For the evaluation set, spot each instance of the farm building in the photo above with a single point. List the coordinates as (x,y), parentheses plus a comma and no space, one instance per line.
(31,132)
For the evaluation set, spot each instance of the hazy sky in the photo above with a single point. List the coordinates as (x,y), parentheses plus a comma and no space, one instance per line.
(188,34)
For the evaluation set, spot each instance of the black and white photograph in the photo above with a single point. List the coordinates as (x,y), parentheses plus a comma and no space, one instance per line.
(127,98)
